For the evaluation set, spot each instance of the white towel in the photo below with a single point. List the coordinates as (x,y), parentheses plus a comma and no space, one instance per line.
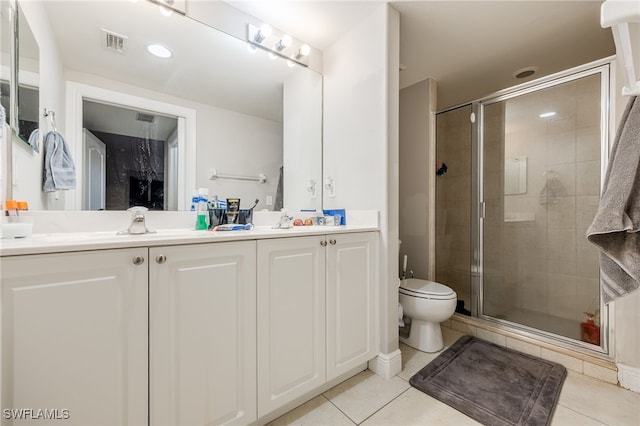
(34,140)
(59,171)
(616,227)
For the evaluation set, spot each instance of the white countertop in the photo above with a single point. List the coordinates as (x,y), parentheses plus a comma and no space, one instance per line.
(80,241)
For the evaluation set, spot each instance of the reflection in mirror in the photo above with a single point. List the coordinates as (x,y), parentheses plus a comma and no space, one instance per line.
(130,158)
(28,82)
(250,115)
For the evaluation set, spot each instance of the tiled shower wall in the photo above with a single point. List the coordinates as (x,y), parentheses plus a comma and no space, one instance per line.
(537,258)
(453,202)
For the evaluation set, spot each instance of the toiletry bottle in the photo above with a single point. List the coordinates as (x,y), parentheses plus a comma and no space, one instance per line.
(589,330)
(12,207)
(194,200)
(202,209)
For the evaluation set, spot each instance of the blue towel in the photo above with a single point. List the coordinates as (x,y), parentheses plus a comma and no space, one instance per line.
(59,170)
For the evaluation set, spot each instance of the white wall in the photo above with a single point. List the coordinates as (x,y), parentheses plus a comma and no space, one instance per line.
(417,177)
(360,140)
(302,141)
(28,164)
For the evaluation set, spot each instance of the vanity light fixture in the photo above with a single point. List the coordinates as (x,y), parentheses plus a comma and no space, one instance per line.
(277,45)
(547,114)
(159,50)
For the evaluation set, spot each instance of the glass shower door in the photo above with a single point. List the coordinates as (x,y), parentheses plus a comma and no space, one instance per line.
(541,168)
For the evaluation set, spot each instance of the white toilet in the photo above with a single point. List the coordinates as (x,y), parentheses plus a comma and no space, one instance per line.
(428,304)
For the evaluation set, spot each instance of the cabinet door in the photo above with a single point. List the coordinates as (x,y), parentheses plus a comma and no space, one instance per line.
(351,301)
(291,319)
(203,334)
(74,336)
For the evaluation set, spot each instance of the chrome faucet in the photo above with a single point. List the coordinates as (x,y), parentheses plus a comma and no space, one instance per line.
(138,225)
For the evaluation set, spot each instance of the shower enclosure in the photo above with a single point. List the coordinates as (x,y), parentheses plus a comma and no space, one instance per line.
(521,188)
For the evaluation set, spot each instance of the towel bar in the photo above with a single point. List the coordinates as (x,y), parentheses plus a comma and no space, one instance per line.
(260,178)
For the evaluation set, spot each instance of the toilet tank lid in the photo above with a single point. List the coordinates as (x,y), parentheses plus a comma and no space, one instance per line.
(426,287)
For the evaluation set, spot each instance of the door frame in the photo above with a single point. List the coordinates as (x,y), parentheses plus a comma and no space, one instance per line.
(605,68)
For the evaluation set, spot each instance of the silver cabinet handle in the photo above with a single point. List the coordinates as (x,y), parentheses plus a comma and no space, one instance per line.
(161,259)
(323,243)
(332,242)
(138,260)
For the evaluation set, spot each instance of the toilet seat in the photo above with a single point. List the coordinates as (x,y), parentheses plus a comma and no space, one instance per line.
(426,290)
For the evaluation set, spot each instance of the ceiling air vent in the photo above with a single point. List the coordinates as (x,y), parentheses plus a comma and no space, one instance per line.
(147,118)
(114,41)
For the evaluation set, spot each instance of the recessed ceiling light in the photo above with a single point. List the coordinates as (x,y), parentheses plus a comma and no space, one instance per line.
(525,72)
(547,114)
(159,50)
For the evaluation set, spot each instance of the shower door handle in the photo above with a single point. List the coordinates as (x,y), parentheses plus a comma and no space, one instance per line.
(483,210)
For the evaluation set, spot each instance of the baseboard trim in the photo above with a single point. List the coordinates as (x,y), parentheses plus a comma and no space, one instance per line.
(629,377)
(387,365)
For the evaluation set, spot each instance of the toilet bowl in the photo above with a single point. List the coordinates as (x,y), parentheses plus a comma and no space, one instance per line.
(428,304)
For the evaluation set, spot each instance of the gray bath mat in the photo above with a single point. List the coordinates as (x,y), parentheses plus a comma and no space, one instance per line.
(494,385)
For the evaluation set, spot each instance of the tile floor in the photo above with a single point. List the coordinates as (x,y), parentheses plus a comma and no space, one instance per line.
(369,399)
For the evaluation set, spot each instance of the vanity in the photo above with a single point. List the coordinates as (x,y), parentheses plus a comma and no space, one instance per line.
(185,327)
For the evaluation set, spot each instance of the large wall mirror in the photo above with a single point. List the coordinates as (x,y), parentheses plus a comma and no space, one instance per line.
(25,52)
(148,130)
(28,82)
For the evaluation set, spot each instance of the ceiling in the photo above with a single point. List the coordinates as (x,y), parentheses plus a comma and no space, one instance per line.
(471,48)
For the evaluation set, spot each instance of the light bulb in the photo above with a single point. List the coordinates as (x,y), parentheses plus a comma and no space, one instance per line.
(305,50)
(165,11)
(284,42)
(251,48)
(290,63)
(264,32)
(272,56)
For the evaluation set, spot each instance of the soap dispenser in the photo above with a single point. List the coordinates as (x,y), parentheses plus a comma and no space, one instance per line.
(202,210)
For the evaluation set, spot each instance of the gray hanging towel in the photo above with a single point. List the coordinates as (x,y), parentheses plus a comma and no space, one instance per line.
(616,227)
(59,171)
(279,201)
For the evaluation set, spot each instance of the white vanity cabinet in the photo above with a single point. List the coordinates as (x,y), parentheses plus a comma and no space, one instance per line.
(352,301)
(316,312)
(207,333)
(74,336)
(291,319)
(202,334)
